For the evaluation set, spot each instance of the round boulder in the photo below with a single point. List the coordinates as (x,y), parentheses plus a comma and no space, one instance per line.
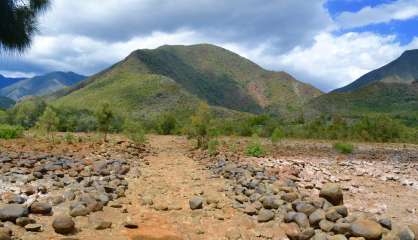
(332,193)
(11,212)
(63,224)
(370,230)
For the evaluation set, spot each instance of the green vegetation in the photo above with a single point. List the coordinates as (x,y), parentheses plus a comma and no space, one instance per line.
(213,145)
(199,128)
(344,148)
(254,148)
(277,135)
(134,131)
(104,118)
(10,132)
(48,122)
(166,124)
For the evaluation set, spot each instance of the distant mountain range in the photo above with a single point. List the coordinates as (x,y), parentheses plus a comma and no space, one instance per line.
(391,89)
(6,81)
(177,78)
(39,85)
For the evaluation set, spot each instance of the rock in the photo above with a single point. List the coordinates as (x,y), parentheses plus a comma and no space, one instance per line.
(11,212)
(270,202)
(40,208)
(130,225)
(386,223)
(63,224)
(337,237)
(342,228)
(99,223)
(196,203)
(320,236)
(233,234)
(79,210)
(368,229)
(290,197)
(9,197)
(332,193)
(414,228)
(406,234)
(316,217)
(332,215)
(291,230)
(305,208)
(326,225)
(306,234)
(23,221)
(265,215)
(33,227)
(302,220)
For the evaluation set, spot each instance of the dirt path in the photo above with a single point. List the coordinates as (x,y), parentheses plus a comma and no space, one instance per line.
(169,181)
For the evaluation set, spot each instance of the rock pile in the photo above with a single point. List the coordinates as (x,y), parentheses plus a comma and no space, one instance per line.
(304,216)
(59,186)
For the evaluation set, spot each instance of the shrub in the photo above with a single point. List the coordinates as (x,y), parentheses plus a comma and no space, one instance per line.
(10,132)
(255,149)
(134,131)
(166,124)
(344,148)
(49,121)
(104,116)
(69,138)
(213,147)
(277,135)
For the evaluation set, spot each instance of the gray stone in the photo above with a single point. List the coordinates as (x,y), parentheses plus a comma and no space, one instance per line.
(40,208)
(316,217)
(265,215)
(11,212)
(196,203)
(368,229)
(33,227)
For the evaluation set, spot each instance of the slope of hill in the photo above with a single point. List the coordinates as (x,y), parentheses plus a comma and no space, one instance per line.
(6,102)
(392,89)
(41,85)
(172,77)
(6,81)
(402,70)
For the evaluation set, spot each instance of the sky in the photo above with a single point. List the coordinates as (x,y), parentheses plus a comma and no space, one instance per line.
(326,43)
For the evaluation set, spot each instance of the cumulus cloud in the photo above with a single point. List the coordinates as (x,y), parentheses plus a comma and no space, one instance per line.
(282,22)
(383,13)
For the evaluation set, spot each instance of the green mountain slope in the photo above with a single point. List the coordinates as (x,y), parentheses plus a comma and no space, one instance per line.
(391,90)
(178,77)
(402,70)
(6,102)
(41,85)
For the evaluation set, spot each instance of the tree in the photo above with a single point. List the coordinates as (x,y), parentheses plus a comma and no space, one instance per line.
(48,122)
(104,117)
(200,127)
(18,22)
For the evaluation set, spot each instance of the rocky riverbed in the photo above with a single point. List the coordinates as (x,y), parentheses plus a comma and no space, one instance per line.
(43,193)
(328,196)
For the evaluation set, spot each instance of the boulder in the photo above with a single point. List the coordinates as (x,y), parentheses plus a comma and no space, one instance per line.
(11,212)
(368,229)
(63,224)
(265,215)
(196,203)
(40,208)
(332,193)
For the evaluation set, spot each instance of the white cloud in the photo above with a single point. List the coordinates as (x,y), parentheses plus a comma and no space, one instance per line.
(382,13)
(334,61)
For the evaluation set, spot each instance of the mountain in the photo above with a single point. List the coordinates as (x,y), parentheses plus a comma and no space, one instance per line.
(178,77)
(6,102)
(391,89)
(402,70)
(41,85)
(6,81)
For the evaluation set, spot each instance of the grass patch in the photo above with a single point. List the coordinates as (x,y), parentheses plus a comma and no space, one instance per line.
(255,149)
(344,148)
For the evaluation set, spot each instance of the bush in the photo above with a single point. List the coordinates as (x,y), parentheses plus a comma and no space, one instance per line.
(69,138)
(10,132)
(213,147)
(134,131)
(255,149)
(344,148)
(277,135)
(166,124)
